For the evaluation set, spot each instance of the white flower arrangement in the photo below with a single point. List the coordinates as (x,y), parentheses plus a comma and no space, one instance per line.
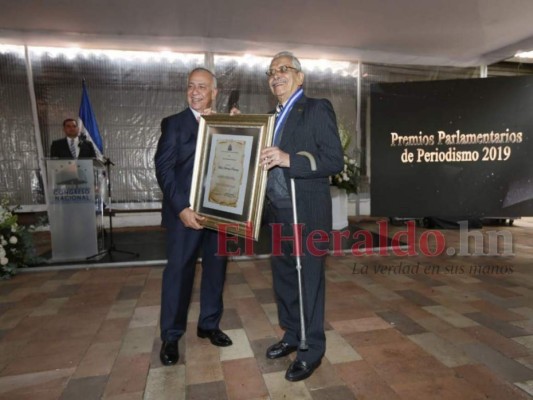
(16,245)
(348,178)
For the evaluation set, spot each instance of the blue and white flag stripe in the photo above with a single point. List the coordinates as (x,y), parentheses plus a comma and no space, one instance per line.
(283,115)
(88,123)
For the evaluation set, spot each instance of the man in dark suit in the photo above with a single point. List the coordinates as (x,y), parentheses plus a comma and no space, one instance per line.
(306,148)
(73,145)
(174,161)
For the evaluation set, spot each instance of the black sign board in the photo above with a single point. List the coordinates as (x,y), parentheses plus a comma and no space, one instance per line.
(456,148)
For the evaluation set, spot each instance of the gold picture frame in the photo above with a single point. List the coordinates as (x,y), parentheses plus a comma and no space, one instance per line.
(228,184)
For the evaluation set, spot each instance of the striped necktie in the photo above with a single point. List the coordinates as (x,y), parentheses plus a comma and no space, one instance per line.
(72,148)
(279,109)
(283,114)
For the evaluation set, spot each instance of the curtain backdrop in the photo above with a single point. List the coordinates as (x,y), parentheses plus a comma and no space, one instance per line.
(131,92)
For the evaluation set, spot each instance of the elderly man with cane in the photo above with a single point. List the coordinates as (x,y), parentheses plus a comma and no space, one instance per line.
(306,150)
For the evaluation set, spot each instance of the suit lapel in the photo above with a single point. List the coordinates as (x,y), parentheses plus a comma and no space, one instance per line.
(66,149)
(294,117)
(193,123)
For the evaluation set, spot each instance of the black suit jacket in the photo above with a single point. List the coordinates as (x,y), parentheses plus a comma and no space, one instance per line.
(61,149)
(312,127)
(174,163)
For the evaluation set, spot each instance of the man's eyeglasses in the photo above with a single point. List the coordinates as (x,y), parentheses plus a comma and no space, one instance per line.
(283,69)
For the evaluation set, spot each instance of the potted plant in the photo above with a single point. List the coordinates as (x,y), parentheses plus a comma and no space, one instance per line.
(343,184)
(348,178)
(16,245)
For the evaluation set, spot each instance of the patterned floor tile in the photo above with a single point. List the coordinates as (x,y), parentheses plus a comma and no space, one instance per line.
(507,346)
(138,341)
(271,311)
(505,367)
(450,316)
(244,380)
(360,325)
(94,333)
(166,383)
(202,391)
(442,350)
(17,385)
(230,320)
(526,386)
(364,382)
(98,360)
(144,316)
(87,388)
(281,389)
(488,383)
(240,348)
(401,322)
(398,370)
(338,350)
(503,328)
(254,320)
(526,341)
(128,375)
(259,348)
(204,372)
(122,309)
(333,393)
(447,388)
(323,377)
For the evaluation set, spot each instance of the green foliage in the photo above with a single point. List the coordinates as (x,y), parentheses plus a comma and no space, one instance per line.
(348,178)
(345,138)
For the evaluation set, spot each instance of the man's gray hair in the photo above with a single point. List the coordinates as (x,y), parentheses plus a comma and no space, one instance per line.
(197,69)
(295,62)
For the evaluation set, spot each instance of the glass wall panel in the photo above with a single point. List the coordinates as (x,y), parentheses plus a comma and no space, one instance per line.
(335,81)
(130,93)
(509,69)
(20,180)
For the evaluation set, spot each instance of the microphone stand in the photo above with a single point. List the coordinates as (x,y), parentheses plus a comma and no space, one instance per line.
(111,248)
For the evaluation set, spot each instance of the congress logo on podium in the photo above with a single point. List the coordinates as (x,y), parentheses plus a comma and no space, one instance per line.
(71,183)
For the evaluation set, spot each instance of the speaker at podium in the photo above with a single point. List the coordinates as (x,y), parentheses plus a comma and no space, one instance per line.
(76,193)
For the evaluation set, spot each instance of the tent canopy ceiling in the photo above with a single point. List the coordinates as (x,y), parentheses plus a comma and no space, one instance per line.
(436,32)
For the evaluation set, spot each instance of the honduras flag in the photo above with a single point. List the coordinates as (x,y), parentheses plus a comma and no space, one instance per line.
(88,125)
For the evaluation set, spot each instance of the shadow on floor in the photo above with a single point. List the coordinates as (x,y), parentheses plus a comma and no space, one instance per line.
(149,243)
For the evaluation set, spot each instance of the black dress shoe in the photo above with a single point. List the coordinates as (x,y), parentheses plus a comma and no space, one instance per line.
(280,349)
(216,336)
(300,370)
(169,353)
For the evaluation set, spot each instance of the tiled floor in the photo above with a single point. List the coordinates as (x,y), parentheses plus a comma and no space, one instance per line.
(445,327)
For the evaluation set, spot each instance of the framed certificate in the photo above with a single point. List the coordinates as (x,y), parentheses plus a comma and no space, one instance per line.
(228,184)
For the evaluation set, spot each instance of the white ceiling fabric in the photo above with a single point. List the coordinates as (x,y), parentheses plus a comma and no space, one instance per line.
(424,32)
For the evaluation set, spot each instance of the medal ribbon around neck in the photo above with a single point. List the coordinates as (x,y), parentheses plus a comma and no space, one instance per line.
(285,110)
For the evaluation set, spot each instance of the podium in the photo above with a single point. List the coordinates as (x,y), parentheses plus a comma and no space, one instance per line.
(76,193)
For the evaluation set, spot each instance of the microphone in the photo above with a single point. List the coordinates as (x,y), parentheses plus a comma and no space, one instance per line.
(82,139)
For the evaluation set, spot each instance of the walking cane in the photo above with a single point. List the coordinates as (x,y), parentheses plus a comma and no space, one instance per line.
(298,248)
